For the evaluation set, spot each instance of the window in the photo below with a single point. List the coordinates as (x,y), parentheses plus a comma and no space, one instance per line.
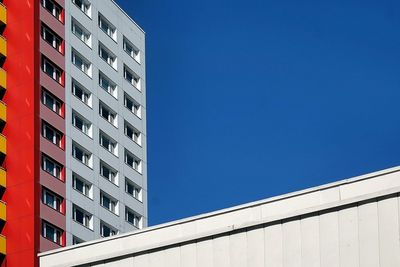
(133,161)
(132,105)
(82,155)
(52,167)
(108,173)
(52,70)
(109,86)
(82,217)
(52,38)
(107,56)
(81,63)
(81,32)
(133,218)
(52,200)
(83,125)
(133,190)
(131,50)
(107,27)
(132,133)
(50,101)
(106,230)
(108,202)
(53,8)
(81,93)
(131,77)
(84,6)
(82,186)
(108,143)
(51,134)
(107,114)
(52,233)
(76,240)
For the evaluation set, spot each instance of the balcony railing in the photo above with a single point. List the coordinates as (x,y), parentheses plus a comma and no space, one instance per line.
(3,245)
(3,14)
(3,144)
(3,211)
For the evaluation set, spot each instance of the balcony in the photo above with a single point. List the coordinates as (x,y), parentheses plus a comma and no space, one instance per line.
(3,78)
(3,211)
(3,177)
(3,111)
(3,245)
(3,46)
(3,144)
(3,14)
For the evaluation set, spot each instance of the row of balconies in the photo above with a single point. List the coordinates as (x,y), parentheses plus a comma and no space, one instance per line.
(3,119)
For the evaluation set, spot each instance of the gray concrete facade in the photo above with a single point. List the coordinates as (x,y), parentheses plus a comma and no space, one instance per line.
(354,222)
(85,36)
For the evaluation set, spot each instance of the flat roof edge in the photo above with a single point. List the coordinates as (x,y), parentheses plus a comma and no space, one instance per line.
(235,208)
(126,14)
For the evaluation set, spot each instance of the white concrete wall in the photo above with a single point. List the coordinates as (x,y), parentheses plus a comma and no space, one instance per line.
(351,223)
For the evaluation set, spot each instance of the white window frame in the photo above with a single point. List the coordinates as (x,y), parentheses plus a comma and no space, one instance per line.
(137,219)
(51,38)
(55,203)
(87,218)
(131,50)
(86,125)
(132,78)
(136,162)
(56,105)
(85,6)
(113,204)
(87,188)
(81,32)
(57,233)
(52,70)
(136,192)
(56,134)
(111,117)
(81,63)
(87,157)
(112,230)
(108,143)
(56,167)
(136,134)
(109,57)
(56,9)
(112,176)
(135,108)
(107,27)
(108,85)
(86,96)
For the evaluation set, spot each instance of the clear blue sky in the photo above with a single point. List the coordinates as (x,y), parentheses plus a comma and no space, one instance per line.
(252,99)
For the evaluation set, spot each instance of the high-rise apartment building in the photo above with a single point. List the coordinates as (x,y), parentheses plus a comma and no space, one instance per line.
(73,124)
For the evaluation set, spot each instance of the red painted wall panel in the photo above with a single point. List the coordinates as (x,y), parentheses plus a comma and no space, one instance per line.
(57,154)
(22,194)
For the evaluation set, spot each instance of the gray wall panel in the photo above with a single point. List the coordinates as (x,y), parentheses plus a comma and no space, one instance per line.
(389,237)
(188,255)
(291,234)
(238,247)
(273,245)
(172,257)
(368,234)
(310,252)
(348,237)
(255,247)
(221,251)
(205,253)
